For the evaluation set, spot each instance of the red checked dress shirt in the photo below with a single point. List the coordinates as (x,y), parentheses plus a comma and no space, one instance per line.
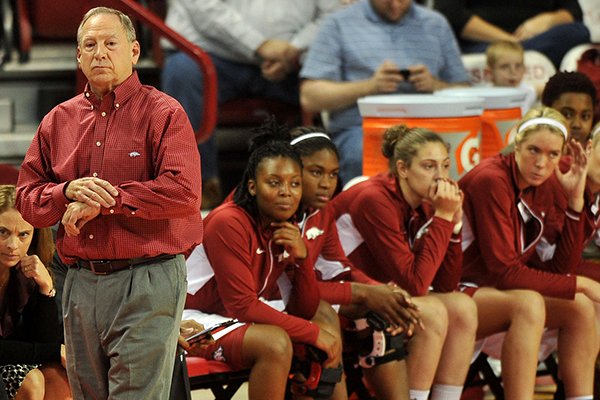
(140,140)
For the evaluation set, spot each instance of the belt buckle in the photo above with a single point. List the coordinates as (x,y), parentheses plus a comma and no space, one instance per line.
(100,267)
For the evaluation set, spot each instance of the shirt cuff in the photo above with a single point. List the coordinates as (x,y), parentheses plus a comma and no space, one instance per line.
(253,41)
(449,225)
(58,195)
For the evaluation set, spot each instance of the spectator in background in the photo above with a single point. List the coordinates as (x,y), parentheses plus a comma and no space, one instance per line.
(118,166)
(574,95)
(505,65)
(256,47)
(551,27)
(30,349)
(375,47)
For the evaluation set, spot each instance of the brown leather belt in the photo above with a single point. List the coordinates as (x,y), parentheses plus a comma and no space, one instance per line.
(105,267)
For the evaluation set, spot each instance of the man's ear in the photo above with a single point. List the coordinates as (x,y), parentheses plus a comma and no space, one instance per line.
(78,57)
(135,52)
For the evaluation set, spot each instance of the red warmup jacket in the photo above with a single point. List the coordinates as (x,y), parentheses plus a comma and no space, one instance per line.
(391,242)
(554,228)
(238,266)
(334,270)
(502,226)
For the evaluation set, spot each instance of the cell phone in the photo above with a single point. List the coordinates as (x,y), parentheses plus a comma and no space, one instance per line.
(405,74)
(199,336)
(207,333)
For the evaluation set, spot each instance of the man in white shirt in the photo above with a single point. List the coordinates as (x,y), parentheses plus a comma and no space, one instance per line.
(256,47)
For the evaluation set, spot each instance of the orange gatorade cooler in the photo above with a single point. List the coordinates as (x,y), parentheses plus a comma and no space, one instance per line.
(501,111)
(456,119)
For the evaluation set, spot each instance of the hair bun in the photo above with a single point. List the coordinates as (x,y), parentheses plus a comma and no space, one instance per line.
(391,137)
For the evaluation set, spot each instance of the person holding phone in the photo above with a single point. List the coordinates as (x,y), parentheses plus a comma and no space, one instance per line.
(253,252)
(193,336)
(395,36)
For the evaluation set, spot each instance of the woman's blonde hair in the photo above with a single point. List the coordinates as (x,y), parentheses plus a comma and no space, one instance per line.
(595,134)
(541,112)
(42,243)
(402,143)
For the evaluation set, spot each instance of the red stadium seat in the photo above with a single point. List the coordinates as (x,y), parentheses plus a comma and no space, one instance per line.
(216,376)
(47,20)
(8,174)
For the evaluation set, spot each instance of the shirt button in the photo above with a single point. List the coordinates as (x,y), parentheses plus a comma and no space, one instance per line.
(91,107)
(103,114)
(95,174)
(87,94)
(117,105)
(133,213)
(111,211)
(91,236)
(98,143)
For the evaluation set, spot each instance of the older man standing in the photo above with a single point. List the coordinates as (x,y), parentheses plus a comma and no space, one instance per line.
(375,47)
(119,167)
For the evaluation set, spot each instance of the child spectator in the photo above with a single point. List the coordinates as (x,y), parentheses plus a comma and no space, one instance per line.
(505,64)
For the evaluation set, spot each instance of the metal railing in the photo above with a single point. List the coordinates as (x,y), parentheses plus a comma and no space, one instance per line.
(209,114)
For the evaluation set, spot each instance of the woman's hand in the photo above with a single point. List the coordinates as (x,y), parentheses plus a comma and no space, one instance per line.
(446,198)
(331,346)
(33,268)
(393,304)
(188,328)
(573,181)
(289,236)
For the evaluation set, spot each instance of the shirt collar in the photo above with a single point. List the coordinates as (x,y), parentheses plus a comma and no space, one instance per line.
(120,94)
(392,184)
(372,15)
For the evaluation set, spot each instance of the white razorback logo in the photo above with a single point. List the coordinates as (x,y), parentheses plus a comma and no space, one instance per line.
(134,154)
(218,355)
(259,251)
(283,256)
(314,232)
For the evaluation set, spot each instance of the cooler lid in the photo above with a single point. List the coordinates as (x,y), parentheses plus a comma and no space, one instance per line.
(495,98)
(419,106)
